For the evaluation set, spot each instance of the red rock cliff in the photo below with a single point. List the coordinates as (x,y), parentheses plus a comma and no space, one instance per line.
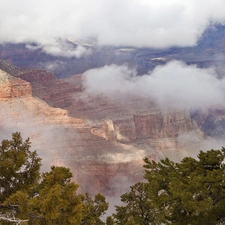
(12,87)
(102,140)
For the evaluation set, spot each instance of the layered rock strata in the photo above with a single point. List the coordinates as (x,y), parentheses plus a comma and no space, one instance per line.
(103,140)
(98,164)
(56,93)
(11,87)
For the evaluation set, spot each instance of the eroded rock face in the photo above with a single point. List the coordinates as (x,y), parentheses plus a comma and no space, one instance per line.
(56,93)
(153,126)
(65,141)
(68,141)
(102,140)
(125,119)
(166,124)
(11,87)
(105,130)
(211,122)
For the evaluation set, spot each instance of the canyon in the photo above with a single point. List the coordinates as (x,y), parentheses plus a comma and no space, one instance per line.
(102,140)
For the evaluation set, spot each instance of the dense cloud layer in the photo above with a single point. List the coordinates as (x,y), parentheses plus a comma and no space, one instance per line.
(173,85)
(138,23)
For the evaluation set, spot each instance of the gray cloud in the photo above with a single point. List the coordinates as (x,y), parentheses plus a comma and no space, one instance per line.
(138,23)
(174,85)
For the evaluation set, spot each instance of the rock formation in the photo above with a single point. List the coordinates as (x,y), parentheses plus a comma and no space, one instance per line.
(63,140)
(11,87)
(103,140)
(211,122)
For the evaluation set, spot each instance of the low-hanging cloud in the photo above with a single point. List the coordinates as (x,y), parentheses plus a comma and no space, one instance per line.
(174,85)
(138,23)
(61,49)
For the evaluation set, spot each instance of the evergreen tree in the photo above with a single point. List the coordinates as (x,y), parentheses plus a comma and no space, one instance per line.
(189,192)
(19,166)
(49,198)
(109,220)
(138,207)
(56,201)
(93,209)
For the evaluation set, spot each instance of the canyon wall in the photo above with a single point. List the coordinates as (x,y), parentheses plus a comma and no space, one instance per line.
(11,87)
(102,140)
(68,141)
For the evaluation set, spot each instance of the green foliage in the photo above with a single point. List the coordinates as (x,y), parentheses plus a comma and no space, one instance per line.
(199,189)
(131,221)
(57,201)
(93,210)
(110,221)
(19,167)
(138,206)
(20,202)
(189,192)
(49,198)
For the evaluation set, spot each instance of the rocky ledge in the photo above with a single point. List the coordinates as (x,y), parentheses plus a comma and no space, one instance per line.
(11,87)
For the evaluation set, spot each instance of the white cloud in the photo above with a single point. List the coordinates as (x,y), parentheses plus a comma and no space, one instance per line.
(173,85)
(57,48)
(66,51)
(139,23)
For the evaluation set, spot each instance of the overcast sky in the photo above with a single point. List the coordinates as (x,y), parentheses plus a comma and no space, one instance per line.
(138,23)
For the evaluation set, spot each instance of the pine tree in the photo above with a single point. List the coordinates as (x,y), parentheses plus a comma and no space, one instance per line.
(57,201)
(19,166)
(189,192)
(93,209)
(48,198)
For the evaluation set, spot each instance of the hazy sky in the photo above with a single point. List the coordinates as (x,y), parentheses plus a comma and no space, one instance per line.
(138,23)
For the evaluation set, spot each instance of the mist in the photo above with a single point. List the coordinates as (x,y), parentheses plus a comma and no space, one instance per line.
(174,85)
(48,138)
(142,23)
(194,141)
(189,144)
